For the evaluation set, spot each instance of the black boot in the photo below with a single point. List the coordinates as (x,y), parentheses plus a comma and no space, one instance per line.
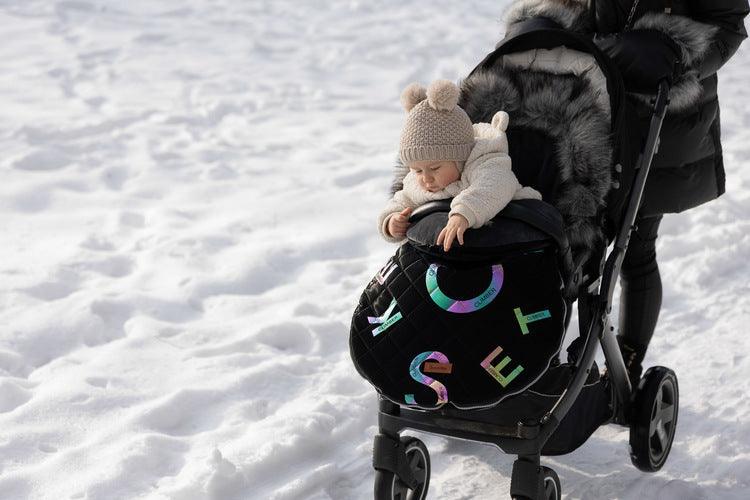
(633,355)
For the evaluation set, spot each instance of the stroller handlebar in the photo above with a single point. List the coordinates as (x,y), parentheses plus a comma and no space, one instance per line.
(430,208)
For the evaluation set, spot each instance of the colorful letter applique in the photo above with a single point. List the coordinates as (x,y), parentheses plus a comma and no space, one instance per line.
(385,320)
(463,306)
(523,321)
(440,389)
(495,370)
(385,272)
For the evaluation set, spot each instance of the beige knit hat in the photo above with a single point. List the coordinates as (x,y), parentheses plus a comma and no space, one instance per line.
(436,127)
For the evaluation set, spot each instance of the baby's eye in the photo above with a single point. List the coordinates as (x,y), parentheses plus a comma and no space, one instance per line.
(435,169)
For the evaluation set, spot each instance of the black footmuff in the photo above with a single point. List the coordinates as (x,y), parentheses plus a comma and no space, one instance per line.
(469,327)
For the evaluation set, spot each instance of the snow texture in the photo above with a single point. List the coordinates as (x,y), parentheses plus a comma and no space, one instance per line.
(187,207)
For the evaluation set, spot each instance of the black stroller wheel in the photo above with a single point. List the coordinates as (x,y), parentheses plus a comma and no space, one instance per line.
(388,486)
(654,419)
(552,490)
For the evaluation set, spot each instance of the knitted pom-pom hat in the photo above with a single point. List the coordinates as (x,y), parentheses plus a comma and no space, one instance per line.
(436,127)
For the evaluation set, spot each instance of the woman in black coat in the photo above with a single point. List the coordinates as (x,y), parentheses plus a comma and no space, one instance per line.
(644,37)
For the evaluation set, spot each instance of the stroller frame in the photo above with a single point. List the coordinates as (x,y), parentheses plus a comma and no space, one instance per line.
(526,439)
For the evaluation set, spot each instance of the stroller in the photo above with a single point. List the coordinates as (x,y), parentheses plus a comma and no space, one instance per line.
(486,366)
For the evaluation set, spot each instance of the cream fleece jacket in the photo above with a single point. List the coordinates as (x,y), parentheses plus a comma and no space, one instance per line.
(486,185)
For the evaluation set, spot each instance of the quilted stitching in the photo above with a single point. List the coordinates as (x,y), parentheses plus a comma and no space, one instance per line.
(384,359)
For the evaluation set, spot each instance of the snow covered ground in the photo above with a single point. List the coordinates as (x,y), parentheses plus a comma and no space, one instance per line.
(187,215)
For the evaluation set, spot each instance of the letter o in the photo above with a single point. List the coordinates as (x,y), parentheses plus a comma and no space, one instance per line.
(463,306)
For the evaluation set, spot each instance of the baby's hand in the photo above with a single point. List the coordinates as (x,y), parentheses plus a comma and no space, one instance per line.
(457,225)
(399,223)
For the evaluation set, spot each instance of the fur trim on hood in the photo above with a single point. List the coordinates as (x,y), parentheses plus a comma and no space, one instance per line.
(571,15)
(693,39)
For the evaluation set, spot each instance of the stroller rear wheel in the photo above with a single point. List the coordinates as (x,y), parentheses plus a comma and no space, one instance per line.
(654,421)
(388,486)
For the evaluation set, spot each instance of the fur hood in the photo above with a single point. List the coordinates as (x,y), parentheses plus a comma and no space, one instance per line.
(563,107)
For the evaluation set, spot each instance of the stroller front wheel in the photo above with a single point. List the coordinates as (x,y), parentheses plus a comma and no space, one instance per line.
(550,485)
(654,420)
(388,486)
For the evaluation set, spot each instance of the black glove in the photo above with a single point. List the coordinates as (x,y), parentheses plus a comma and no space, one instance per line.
(644,57)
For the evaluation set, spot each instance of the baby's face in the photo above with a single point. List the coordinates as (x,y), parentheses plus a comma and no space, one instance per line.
(434,176)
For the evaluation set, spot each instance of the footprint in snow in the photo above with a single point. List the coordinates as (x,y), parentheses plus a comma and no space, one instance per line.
(113,314)
(47,448)
(184,413)
(49,290)
(101,382)
(116,266)
(43,159)
(289,336)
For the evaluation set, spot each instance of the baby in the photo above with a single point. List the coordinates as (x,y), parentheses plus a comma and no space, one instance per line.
(448,157)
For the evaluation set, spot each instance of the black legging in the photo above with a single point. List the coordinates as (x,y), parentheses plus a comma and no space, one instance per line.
(640,301)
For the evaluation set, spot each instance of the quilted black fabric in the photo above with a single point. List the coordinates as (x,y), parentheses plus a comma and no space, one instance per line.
(430,331)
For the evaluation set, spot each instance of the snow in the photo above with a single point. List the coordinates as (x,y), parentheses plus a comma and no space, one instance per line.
(188,216)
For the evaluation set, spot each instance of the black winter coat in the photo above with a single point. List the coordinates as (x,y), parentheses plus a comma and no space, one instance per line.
(688,169)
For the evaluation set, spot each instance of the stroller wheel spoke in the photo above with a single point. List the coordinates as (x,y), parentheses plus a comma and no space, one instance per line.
(652,426)
(666,414)
(657,406)
(661,433)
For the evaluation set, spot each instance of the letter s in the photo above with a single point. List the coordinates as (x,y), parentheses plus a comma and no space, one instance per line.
(440,389)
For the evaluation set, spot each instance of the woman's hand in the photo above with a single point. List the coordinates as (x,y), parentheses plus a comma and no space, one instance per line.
(399,223)
(644,57)
(457,225)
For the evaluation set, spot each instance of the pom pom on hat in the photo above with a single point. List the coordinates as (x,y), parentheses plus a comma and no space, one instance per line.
(500,121)
(412,95)
(436,127)
(442,95)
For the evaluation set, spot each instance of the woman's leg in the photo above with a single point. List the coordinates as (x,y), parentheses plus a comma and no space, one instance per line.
(640,300)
